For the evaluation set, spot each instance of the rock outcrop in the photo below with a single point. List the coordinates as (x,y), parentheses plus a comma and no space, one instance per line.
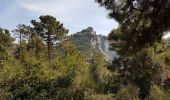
(87,41)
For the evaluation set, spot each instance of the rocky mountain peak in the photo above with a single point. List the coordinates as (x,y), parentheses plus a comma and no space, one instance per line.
(89,30)
(87,41)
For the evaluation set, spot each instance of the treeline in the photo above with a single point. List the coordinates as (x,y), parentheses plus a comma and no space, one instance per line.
(38,68)
(143,65)
(44,65)
(39,62)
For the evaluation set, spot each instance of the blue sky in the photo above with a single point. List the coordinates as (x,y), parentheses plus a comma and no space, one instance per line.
(74,14)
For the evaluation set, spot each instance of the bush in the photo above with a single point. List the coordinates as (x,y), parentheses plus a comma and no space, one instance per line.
(156,93)
(129,92)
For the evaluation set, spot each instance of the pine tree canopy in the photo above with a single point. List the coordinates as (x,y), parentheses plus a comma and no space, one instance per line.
(143,22)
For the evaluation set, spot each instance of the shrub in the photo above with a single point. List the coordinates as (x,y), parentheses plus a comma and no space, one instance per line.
(129,92)
(156,93)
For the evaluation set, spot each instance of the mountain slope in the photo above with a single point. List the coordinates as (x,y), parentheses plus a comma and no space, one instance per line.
(88,43)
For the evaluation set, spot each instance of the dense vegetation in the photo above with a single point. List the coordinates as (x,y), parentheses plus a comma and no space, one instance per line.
(36,65)
(144,54)
(42,62)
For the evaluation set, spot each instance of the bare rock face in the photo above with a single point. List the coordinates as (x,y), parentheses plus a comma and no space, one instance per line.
(103,46)
(89,30)
(87,41)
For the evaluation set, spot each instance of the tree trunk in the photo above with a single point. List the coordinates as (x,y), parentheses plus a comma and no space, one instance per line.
(49,49)
(20,48)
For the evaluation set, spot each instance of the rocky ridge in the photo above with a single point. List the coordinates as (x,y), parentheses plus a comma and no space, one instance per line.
(87,41)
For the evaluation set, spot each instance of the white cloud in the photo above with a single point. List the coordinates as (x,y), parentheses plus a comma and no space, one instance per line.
(102,20)
(59,8)
(75,14)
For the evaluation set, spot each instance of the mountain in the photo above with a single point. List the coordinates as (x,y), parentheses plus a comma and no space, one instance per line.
(88,42)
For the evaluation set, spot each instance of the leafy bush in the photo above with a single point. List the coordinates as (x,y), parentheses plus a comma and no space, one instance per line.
(129,92)
(156,93)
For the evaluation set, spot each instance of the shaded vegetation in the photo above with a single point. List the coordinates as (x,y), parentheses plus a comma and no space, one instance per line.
(46,63)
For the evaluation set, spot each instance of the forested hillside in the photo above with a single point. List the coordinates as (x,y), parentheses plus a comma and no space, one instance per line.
(41,61)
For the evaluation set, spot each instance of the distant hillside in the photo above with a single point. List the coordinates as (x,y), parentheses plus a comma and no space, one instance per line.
(88,43)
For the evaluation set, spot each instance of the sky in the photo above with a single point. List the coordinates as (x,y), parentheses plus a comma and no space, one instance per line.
(74,14)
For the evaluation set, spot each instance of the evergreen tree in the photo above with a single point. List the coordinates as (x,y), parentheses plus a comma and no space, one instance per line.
(6,44)
(5,38)
(22,32)
(142,21)
(36,46)
(50,30)
(142,25)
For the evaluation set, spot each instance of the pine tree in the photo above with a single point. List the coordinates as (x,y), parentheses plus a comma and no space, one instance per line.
(36,46)
(142,25)
(142,21)
(6,43)
(50,30)
(22,32)
(5,38)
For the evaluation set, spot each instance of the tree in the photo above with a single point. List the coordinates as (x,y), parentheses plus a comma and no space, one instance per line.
(33,79)
(3,54)
(36,46)
(143,22)
(5,38)
(6,43)
(22,32)
(145,71)
(142,25)
(50,30)
(130,92)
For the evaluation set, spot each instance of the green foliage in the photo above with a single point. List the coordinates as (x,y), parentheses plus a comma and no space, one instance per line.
(139,41)
(35,46)
(143,22)
(129,92)
(144,71)
(77,75)
(50,30)
(144,68)
(6,44)
(3,53)
(33,79)
(5,38)
(22,33)
(103,80)
(48,25)
(100,97)
(157,93)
